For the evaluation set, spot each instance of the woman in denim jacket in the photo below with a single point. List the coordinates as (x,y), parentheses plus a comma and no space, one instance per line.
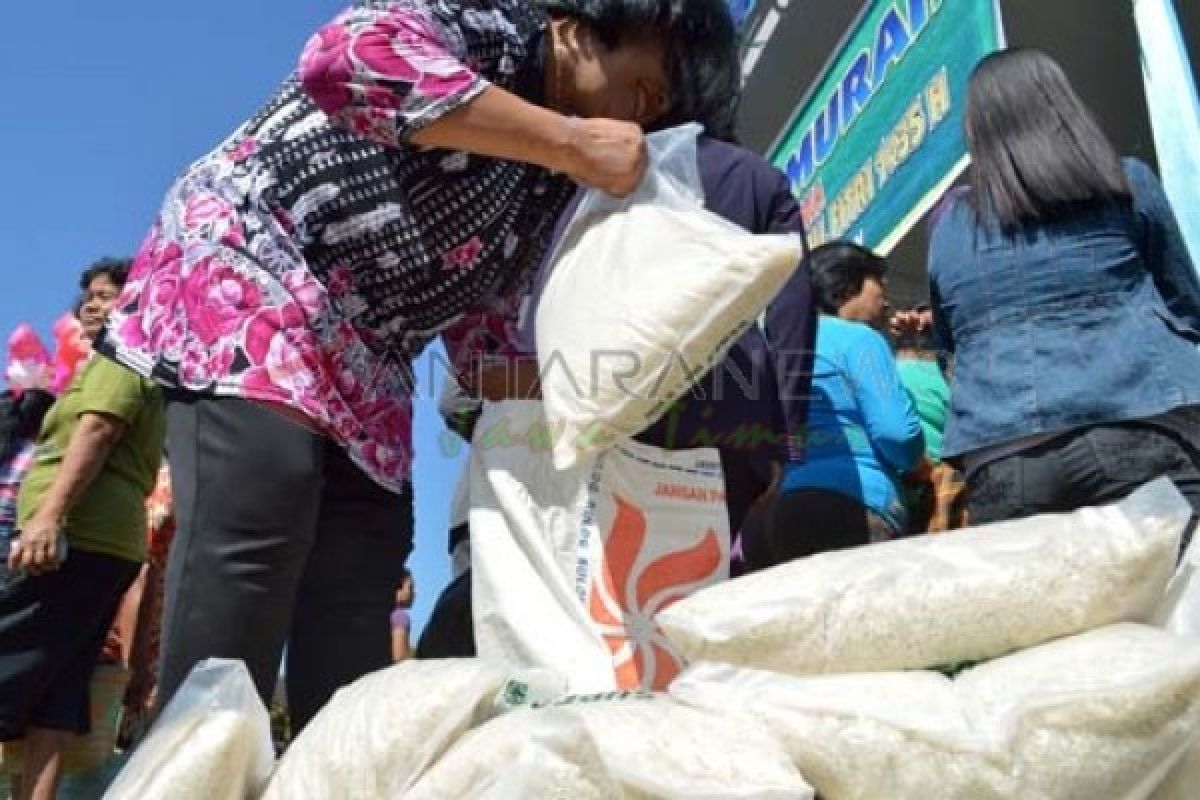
(1064,294)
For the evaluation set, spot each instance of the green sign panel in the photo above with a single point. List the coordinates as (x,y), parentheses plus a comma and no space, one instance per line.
(880,136)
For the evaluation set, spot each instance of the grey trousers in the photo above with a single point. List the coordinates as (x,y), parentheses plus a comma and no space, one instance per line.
(280,539)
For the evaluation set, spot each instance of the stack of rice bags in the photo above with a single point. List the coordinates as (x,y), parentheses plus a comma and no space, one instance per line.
(1058,688)
(819,674)
(467,728)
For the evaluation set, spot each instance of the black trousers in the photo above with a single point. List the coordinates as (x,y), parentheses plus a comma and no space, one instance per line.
(805,522)
(1094,466)
(450,632)
(281,539)
(52,630)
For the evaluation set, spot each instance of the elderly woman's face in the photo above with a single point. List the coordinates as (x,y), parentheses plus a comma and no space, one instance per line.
(627,81)
(98,301)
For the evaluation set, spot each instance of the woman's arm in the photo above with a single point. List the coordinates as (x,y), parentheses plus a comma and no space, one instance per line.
(940,257)
(91,443)
(943,335)
(1162,246)
(891,421)
(110,399)
(401,647)
(600,153)
(396,73)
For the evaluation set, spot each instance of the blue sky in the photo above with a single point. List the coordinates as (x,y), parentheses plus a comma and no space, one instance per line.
(101,110)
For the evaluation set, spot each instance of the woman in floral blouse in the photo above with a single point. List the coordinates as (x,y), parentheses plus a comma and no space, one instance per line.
(400,185)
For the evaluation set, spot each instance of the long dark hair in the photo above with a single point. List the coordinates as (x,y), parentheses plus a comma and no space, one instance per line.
(1037,151)
(701,42)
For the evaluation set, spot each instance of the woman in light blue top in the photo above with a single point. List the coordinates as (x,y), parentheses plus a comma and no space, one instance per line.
(863,432)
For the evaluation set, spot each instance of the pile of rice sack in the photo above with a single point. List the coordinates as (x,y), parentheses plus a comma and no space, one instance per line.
(1068,693)
(1007,661)
(793,691)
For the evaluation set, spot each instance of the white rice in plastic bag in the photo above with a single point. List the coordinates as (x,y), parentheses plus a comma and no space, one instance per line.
(614,746)
(1179,613)
(205,755)
(888,735)
(941,599)
(211,742)
(377,735)
(1103,714)
(1183,782)
(642,298)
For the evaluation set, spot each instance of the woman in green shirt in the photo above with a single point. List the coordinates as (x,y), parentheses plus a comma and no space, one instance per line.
(934,493)
(81,519)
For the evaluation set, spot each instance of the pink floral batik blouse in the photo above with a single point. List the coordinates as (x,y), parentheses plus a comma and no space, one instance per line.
(310,258)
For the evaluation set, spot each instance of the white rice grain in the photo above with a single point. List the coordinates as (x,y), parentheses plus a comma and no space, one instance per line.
(635,748)
(942,599)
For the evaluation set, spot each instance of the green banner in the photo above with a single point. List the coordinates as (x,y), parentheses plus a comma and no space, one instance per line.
(880,136)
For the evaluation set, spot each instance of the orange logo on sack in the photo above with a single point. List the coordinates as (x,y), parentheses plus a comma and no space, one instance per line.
(623,604)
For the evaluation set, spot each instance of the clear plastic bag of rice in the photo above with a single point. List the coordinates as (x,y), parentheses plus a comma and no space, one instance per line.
(1182,782)
(615,747)
(1104,714)
(944,599)
(870,736)
(212,742)
(1179,613)
(644,294)
(1179,609)
(378,735)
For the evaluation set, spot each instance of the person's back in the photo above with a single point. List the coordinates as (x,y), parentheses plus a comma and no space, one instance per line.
(922,378)
(1036,319)
(860,428)
(401,618)
(1066,296)
(862,432)
(934,494)
(20,420)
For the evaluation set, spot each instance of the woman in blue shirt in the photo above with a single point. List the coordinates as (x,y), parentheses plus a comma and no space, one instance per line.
(1063,290)
(863,432)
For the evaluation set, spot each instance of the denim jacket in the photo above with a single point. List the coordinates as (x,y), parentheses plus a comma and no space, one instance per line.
(1088,320)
